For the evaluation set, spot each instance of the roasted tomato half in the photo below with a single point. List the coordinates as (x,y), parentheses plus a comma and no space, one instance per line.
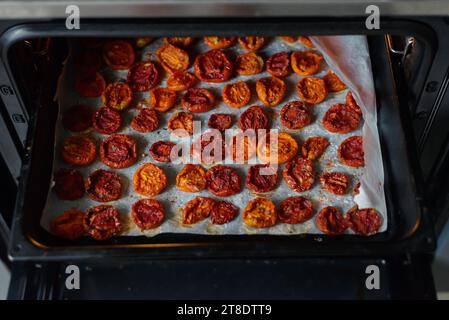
(219,42)
(365,222)
(78,150)
(181,124)
(335,182)
(270,90)
(248,64)
(295,210)
(104,186)
(181,80)
(251,43)
(90,84)
(261,178)
(118,96)
(270,151)
(142,76)
(69,225)
(311,90)
(295,115)
(149,180)
(106,120)
(69,184)
(299,174)
(196,210)
(223,212)
(237,94)
(102,222)
(306,63)
(198,100)
(191,178)
(118,55)
(350,152)
(314,147)
(161,151)
(172,58)
(278,65)
(213,66)
(163,99)
(220,121)
(118,151)
(223,181)
(331,222)
(260,213)
(77,118)
(253,118)
(333,82)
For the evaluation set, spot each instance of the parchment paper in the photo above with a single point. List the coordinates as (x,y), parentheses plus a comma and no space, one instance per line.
(346,55)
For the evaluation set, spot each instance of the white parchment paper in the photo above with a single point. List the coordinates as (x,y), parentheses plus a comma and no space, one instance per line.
(347,56)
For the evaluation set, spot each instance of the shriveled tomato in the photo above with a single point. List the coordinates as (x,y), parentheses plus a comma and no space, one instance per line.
(213,66)
(118,54)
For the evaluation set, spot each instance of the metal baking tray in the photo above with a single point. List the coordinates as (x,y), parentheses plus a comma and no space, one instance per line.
(408,228)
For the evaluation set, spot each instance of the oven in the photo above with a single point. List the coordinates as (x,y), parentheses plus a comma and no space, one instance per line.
(409,71)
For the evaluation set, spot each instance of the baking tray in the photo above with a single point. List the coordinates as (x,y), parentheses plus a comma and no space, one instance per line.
(403,206)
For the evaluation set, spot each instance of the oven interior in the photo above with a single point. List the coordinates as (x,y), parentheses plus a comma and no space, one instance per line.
(35,60)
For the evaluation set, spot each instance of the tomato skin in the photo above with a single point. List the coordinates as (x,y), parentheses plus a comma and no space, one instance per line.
(118,54)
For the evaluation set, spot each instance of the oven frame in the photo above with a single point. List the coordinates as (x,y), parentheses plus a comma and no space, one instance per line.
(415,235)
